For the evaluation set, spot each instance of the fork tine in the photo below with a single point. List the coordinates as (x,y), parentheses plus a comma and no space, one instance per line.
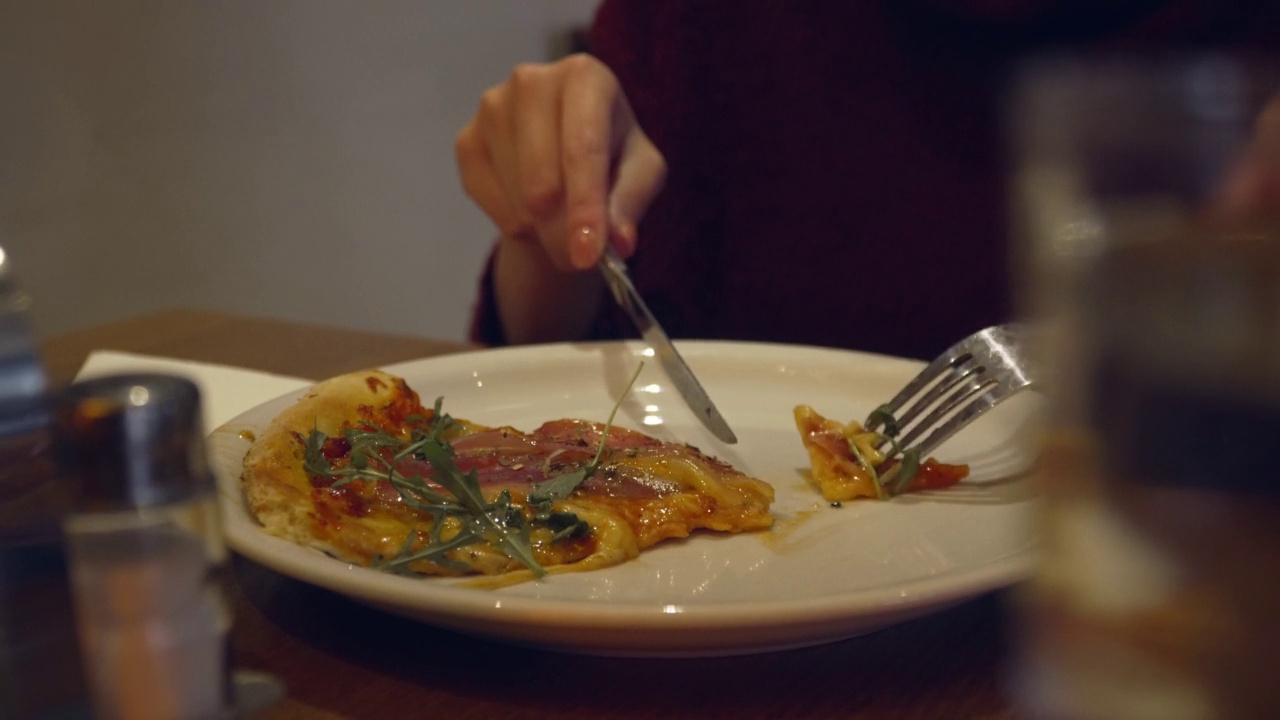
(978,406)
(922,380)
(964,350)
(971,377)
(969,387)
(953,377)
(962,370)
(964,416)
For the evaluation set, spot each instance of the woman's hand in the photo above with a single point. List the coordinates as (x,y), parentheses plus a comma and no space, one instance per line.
(555,158)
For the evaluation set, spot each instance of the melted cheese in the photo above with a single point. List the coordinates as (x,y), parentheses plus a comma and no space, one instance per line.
(682,491)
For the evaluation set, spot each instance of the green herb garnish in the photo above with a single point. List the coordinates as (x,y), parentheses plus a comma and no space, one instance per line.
(544,493)
(870,468)
(498,523)
(898,478)
(884,415)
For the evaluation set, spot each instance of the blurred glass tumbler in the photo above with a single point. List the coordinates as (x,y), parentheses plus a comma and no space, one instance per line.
(1158,594)
(145,546)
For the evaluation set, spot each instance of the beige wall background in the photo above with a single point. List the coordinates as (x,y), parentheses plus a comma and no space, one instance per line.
(291,158)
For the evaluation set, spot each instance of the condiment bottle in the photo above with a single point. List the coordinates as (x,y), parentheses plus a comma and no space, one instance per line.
(145,548)
(40,672)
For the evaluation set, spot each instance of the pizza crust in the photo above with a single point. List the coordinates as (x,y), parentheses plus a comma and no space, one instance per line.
(275,484)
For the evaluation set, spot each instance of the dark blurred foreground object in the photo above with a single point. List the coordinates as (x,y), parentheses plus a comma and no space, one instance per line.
(145,548)
(1157,593)
(40,668)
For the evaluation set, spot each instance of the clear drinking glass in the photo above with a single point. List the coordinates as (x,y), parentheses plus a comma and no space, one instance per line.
(1149,253)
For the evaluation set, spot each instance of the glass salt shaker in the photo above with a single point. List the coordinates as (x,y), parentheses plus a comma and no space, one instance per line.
(145,548)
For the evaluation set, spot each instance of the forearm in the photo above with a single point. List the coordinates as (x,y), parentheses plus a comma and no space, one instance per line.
(536,301)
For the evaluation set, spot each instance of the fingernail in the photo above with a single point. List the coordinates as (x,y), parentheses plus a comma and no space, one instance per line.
(584,247)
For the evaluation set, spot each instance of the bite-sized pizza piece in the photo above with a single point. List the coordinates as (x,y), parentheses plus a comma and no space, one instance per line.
(360,469)
(845,464)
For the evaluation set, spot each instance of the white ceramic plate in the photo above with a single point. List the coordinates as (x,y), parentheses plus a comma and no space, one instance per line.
(821,574)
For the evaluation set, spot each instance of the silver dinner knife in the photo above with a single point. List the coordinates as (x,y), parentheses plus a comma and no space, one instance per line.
(615,273)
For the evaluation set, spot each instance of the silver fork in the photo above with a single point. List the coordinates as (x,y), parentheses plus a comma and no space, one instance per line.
(970,378)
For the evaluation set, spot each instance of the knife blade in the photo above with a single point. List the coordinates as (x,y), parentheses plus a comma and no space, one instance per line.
(615,274)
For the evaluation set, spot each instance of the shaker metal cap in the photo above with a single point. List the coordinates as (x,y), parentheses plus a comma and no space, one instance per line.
(133,441)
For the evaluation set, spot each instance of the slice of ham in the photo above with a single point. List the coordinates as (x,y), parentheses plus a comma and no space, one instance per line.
(508,458)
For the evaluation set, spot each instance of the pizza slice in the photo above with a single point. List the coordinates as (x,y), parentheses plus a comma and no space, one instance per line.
(846,465)
(360,469)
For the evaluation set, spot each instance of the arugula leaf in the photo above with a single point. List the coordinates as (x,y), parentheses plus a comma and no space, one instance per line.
(499,522)
(558,487)
(443,422)
(561,486)
(435,552)
(907,470)
(898,478)
(871,469)
(565,525)
(313,459)
(504,528)
(884,415)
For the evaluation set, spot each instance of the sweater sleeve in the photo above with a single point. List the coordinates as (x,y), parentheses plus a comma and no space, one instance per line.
(486,327)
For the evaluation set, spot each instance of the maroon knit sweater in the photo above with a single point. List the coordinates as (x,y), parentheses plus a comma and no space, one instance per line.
(836,171)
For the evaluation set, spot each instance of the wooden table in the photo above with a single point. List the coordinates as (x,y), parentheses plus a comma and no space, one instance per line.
(342,659)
